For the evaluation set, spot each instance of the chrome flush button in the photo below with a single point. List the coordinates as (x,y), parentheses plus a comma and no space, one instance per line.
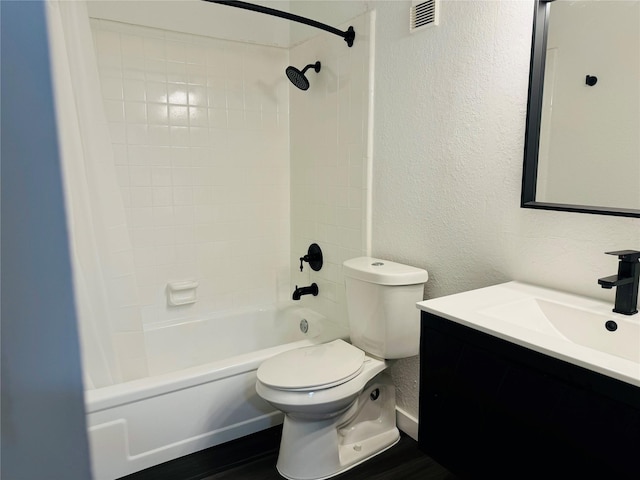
(377,264)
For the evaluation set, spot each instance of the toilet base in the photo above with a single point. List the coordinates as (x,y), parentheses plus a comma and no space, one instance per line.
(319,449)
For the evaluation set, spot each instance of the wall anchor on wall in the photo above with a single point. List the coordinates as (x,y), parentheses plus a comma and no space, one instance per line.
(591,80)
(313,256)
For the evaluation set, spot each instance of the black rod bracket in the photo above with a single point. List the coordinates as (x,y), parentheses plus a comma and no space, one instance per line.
(349,35)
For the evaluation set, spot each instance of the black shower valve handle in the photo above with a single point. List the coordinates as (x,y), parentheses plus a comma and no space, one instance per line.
(306,258)
(313,257)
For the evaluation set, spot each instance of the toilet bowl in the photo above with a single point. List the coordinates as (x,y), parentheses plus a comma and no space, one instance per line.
(339,405)
(338,423)
(327,380)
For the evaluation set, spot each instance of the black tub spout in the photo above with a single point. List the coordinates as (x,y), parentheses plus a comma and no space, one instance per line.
(310,290)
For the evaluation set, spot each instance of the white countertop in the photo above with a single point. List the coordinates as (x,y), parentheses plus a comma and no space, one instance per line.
(565,326)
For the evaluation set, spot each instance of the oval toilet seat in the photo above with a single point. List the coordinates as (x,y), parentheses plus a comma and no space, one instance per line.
(323,386)
(322,401)
(312,368)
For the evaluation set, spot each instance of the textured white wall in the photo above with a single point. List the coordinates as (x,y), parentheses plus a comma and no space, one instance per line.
(450,107)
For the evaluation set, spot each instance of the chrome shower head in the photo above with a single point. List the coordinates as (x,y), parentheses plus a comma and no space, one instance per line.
(297,77)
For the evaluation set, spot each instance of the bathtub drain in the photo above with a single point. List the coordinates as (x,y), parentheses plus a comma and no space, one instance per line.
(304,326)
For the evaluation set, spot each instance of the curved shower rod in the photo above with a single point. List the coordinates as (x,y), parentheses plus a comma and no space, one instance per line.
(349,35)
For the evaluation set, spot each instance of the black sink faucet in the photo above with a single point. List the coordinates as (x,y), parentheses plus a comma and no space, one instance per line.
(310,290)
(626,281)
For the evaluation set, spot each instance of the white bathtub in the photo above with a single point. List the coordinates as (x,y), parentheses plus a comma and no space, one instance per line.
(201,392)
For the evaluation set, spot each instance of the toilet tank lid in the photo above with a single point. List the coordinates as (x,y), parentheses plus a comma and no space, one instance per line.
(383,272)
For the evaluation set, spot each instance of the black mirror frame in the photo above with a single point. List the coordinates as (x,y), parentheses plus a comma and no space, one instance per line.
(534,115)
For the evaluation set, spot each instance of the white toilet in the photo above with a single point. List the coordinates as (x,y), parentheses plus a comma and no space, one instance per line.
(339,407)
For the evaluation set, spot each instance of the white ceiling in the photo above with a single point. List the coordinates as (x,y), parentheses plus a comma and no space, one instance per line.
(220,21)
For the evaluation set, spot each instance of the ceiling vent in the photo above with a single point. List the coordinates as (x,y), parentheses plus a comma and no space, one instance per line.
(423,14)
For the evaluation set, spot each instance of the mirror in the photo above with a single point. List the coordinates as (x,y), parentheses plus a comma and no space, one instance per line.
(582,143)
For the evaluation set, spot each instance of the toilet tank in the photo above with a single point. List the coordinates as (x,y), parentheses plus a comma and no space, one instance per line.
(381,304)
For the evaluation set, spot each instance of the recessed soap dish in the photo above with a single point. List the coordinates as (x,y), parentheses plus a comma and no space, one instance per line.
(181,293)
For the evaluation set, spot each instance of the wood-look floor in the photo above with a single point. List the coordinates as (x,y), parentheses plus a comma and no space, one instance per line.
(254,458)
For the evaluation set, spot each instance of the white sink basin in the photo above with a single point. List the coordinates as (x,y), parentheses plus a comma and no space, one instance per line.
(579,326)
(565,326)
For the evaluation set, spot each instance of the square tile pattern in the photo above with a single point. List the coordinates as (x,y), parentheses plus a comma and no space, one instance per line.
(227,172)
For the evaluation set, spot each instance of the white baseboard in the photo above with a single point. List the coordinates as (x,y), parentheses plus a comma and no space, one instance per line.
(407,423)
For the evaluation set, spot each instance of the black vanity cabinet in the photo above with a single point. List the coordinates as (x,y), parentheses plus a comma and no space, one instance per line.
(490,409)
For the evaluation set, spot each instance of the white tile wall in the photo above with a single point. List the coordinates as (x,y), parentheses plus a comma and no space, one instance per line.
(329,161)
(200,129)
